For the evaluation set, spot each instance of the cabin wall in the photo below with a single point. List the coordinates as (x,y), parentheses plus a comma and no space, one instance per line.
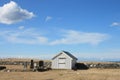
(74,61)
(62,61)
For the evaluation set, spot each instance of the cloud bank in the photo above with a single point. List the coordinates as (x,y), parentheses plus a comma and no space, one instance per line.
(77,37)
(67,37)
(26,36)
(11,13)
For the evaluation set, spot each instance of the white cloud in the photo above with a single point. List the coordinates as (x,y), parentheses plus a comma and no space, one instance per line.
(21,27)
(31,36)
(48,18)
(115,24)
(76,37)
(27,36)
(11,13)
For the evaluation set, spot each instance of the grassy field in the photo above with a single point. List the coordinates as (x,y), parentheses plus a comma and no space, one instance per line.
(90,74)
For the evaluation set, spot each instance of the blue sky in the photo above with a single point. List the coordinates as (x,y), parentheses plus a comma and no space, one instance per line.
(43,28)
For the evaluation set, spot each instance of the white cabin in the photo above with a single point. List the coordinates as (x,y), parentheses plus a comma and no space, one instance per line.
(64,60)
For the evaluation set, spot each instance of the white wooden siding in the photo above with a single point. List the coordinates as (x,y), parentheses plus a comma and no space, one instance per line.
(63,61)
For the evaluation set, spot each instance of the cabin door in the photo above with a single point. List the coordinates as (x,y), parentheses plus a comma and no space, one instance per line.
(62,63)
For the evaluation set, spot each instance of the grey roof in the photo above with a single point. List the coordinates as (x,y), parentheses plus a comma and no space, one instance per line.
(67,54)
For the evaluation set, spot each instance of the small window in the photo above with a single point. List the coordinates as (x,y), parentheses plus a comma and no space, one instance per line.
(62,58)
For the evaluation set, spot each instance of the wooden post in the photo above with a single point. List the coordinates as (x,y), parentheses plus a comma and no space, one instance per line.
(31,64)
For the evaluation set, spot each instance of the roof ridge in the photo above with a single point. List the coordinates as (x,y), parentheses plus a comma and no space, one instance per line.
(66,52)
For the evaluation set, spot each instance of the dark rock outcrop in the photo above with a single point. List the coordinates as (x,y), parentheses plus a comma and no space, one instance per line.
(2,67)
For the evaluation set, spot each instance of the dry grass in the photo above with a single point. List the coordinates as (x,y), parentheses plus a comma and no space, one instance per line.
(21,59)
(20,67)
(91,74)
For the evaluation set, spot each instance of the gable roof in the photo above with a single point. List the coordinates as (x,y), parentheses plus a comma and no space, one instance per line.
(70,55)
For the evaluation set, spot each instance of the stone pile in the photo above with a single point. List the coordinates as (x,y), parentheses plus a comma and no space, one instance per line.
(103,65)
